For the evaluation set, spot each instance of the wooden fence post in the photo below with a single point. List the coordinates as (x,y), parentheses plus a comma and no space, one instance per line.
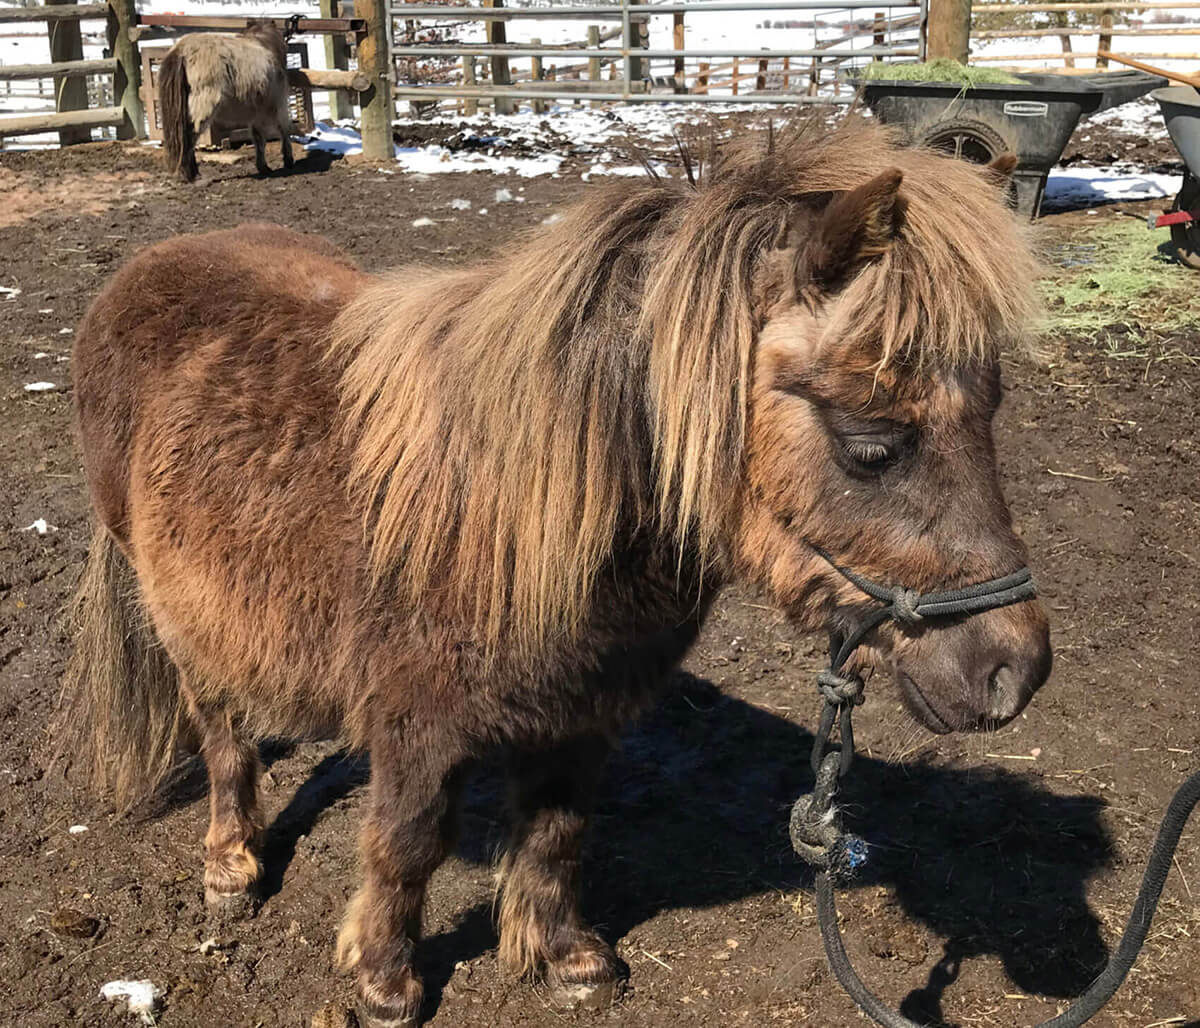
(70,92)
(640,67)
(127,80)
(471,104)
(949,29)
(497,33)
(535,68)
(1105,41)
(374,61)
(733,77)
(595,71)
(878,27)
(702,78)
(677,43)
(337,55)
(787,73)
(760,80)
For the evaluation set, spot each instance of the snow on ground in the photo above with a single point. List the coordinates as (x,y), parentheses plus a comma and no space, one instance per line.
(1074,188)
(1141,117)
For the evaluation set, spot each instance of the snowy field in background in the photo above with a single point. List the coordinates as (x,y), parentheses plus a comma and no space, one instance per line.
(531,145)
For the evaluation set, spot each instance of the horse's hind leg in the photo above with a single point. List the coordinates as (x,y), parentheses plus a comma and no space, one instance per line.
(541,930)
(260,150)
(409,829)
(232,867)
(284,118)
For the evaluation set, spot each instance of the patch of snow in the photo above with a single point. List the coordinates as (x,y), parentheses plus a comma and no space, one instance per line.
(142,996)
(334,139)
(74,829)
(503,196)
(65,331)
(40,355)
(423,223)
(433,160)
(41,527)
(1075,187)
(40,387)
(9,292)
(460,205)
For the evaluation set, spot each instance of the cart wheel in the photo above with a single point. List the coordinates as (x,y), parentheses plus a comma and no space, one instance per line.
(1186,238)
(968,140)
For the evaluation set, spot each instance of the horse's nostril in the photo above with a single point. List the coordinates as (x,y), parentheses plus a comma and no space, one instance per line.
(1008,691)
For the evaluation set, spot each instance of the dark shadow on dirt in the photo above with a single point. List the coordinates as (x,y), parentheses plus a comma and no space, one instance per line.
(332,779)
(308,162)
(694,813)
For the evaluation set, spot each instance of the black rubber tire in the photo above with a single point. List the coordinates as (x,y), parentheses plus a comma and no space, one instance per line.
(1186,238)
(965,138)
(969,140)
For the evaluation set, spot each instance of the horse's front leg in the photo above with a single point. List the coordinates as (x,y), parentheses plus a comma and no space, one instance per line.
(409,829)
(232,867)
(260,150)
(541,930)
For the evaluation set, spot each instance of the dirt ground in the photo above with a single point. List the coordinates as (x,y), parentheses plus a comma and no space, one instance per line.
(1003,866)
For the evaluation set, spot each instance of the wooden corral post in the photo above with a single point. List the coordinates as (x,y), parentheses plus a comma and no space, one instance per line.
(1105,43)
(496,33)
(787,73)
(734,76)
(127,80)
(1068,59)
(70,92)
(337,55)
(760,80)
(638,68)
(878,26)
(702,78)
(595,72)
(677,43)
(535,68)
(373,59)
(949,29)
(470,105)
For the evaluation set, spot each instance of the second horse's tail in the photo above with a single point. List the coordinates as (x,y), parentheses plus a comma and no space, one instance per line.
(179,134)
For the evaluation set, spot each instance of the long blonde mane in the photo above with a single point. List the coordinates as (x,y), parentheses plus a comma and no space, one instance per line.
(513,420)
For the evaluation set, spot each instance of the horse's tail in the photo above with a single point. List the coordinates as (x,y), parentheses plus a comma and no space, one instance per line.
(179,134)
(122,713)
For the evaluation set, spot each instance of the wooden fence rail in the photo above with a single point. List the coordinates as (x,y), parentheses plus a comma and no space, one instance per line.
(99,66)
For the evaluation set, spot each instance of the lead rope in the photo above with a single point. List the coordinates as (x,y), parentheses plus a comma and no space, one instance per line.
(815,825)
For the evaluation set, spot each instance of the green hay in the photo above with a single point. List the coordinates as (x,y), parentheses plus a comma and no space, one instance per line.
(1119,274)
(942,70)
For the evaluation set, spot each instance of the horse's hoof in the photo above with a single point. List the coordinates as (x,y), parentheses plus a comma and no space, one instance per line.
(375,1015)
(587,996)
(229,907)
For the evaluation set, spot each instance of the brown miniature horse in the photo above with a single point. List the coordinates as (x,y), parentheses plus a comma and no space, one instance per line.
(448,511)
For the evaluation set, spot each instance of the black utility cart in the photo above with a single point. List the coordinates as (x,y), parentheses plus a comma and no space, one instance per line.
(1033,119)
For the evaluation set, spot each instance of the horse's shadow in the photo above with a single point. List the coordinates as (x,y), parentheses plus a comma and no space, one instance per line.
(694,814)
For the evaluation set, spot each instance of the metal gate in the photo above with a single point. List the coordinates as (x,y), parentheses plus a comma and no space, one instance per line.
(896,29)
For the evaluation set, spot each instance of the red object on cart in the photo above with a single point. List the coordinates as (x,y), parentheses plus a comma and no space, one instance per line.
(1174,218)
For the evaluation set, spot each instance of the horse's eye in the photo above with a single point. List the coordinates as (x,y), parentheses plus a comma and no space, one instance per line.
(869,454)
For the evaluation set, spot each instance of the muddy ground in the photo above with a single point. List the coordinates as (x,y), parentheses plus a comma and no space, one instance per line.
(1003,866)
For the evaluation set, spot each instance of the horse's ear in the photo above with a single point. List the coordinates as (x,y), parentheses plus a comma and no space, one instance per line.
(855,227)
(1000,169)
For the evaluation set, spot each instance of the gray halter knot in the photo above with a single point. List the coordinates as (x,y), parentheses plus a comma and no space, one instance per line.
(838,688)
(904,605)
